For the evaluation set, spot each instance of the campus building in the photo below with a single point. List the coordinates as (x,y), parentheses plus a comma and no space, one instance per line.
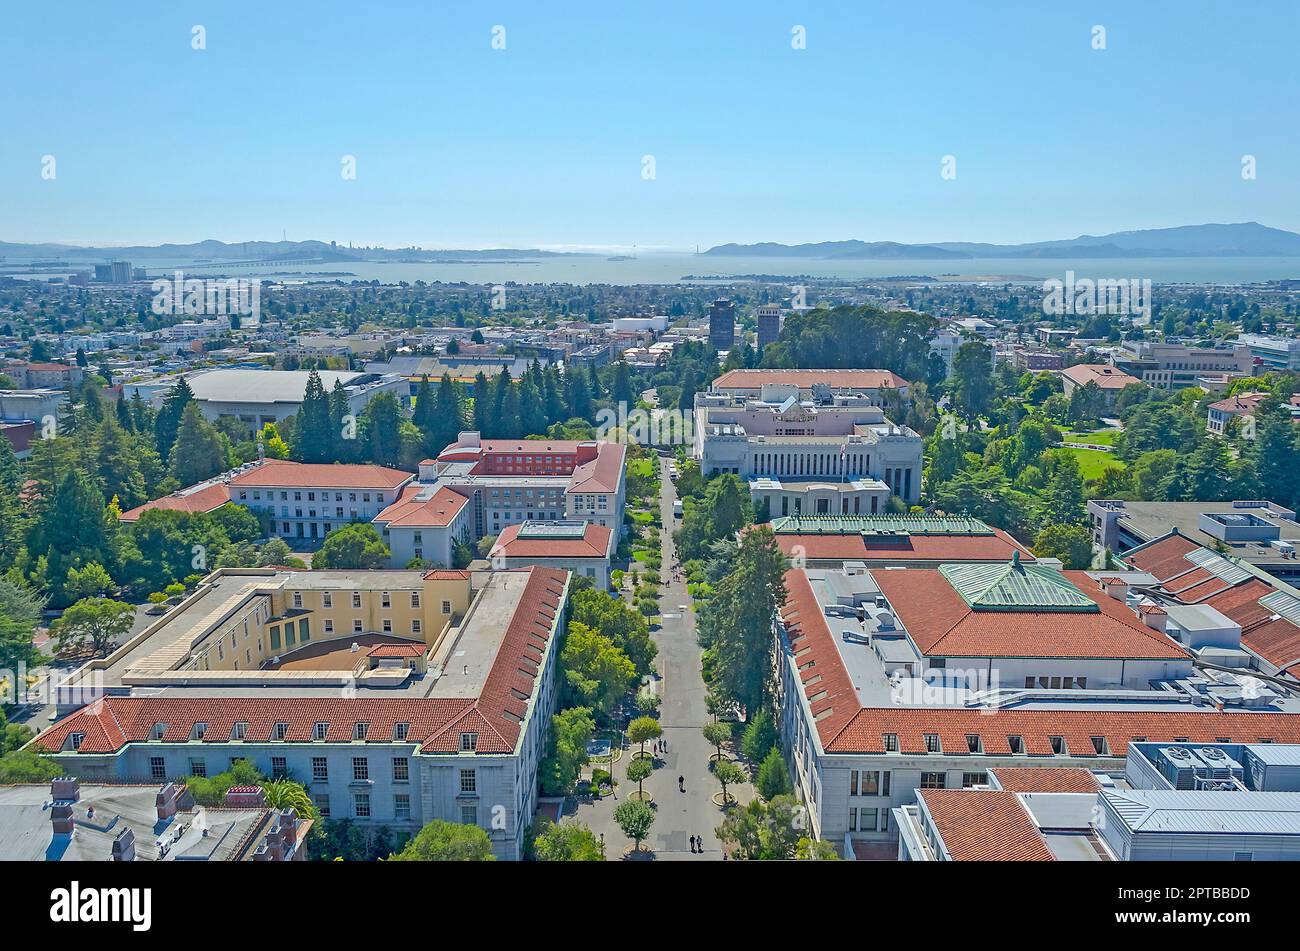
(896,681)
(396,697)
(1174,366)
(258,397)
(477,487)
(1225,802)
(1256,531)
(910,541)
(808,441)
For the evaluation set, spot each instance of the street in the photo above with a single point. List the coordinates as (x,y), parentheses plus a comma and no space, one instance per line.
(678,815)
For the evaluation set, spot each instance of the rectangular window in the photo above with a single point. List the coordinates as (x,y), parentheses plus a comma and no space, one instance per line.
(401,769)
(446,607)
(469,815)
(360,769)
(198,767)
(401,731)
(279,767)
(468,782)
(279,731)
(320,731)
(401,806)
(157,767)
(327,599)
(891,742)
(969,780)
(468,742)
(322,802)
(932,744)
(320,769)
(870,783)
(361,805)
(933,780)
(356,599)
(415,599)
(360,731)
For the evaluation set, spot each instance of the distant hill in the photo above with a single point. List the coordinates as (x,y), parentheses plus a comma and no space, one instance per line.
(269,251)
(1248,239)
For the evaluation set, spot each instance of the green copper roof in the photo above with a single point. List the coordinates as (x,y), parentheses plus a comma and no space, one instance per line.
(1012,586)
(879,525)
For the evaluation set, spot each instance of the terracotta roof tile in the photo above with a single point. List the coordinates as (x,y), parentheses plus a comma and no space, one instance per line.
(281,473)
(1046,779)
(985,825)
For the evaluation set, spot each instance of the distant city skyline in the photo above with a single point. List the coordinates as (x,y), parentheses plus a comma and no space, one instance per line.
(544,144)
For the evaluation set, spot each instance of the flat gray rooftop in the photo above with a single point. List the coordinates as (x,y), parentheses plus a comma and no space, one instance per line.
(26,833)
(464,659)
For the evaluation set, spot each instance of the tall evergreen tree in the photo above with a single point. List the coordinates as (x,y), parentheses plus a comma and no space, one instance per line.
(482,404)
(314,440)
(199,452)
(447,417)
(168,420)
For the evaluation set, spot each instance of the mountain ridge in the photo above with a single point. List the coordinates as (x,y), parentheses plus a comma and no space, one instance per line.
(1242,239)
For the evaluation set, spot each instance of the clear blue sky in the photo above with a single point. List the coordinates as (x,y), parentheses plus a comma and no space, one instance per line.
(458,145)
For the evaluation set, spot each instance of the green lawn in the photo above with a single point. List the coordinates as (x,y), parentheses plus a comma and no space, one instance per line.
(1092,462)
(1100,437)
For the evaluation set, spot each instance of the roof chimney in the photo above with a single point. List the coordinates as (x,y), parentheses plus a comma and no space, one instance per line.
(61,818)
(245,797)
(171,799)
(1117,588)
(65,789)
(124,846)
(1153,616)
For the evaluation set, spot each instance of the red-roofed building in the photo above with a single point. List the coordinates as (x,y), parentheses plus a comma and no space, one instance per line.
(1267,610)
(896,680)
(195,500)
(584,548)
(426,522)
(975,825)
(449,740)
(511,481)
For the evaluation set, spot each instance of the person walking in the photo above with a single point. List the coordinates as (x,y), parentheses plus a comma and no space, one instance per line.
(681,783)
(692,845)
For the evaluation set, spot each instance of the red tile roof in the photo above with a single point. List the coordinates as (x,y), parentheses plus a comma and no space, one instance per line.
(846,727)
(821,669)
(447,574)
(594,543)
(601,474)
(1104,375)
(204,500)
(1046,779)
(804,379)
(437,511)
(1243,404)
(905,548)
(985,825)
(941,623)
(281,473)
(1273,638)
(866,729)
(396,650)
(435,723)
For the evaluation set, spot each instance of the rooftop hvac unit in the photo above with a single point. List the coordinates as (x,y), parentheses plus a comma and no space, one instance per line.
(1219,765)
(881,602)
(1179,766)
(884,621)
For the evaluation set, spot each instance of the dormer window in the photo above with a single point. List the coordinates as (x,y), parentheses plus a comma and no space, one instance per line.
(198,730)
(468,742)
(1016,744)
(239,731)
(891,742)
(1058,745)
(279,731)
(973,743)
(400,731)
(1099,745)
(74,741)
(932,744)
(158,732)
(320,731)
(359,730)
